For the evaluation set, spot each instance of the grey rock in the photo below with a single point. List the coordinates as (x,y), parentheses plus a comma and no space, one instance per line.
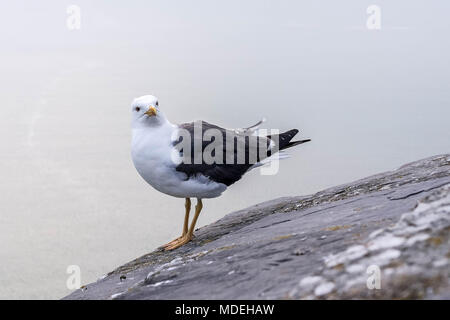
(329,245)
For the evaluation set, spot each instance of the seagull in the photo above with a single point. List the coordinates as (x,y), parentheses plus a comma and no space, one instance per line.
(185,172)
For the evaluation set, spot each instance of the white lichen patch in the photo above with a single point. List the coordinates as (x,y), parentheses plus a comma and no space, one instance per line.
(116,295)
(310,281)
(385,242)
(417,242)
(324,288)
(417,238)
(169,266)
(376,233)
(352,253)
(440,263)
(385,257)
(161,283)
(355,268)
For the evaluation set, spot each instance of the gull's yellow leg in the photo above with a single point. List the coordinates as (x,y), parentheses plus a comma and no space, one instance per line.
(190,233)
(187,205)
(198,208)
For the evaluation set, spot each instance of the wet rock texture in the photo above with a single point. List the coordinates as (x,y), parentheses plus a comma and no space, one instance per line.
(386,236)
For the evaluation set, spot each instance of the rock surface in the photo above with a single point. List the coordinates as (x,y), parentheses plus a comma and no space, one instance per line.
(385,236)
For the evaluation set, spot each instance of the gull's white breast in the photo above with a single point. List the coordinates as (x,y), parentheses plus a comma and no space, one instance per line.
(155,159)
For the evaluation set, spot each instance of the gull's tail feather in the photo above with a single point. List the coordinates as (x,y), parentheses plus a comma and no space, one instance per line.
(294,143)
(252,129)
(284,139)
(256,125)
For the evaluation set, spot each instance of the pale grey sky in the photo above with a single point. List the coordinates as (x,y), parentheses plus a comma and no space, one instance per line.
(369,100)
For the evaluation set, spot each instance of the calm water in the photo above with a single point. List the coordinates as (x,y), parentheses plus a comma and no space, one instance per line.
(370,100)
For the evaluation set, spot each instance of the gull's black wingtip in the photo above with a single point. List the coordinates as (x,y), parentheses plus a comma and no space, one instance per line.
(295,143)
(286,137)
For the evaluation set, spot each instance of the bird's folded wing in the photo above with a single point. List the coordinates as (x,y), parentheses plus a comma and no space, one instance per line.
(240,151)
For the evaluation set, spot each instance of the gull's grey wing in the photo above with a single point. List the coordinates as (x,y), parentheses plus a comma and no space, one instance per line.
(240,151)
(243,152)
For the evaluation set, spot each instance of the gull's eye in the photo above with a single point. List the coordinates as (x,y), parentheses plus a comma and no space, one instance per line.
(156,104)
(137,109)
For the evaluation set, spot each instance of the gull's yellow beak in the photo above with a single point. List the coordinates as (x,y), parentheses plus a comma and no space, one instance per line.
(151,111)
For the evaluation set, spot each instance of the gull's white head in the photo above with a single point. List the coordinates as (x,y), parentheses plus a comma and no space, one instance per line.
(146,113)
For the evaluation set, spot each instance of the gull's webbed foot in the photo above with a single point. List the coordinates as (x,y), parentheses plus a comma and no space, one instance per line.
(170,243)
(188,233)
(178,242)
